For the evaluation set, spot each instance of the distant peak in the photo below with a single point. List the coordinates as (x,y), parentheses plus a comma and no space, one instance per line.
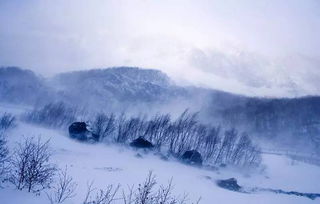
(15,71)
(129,73)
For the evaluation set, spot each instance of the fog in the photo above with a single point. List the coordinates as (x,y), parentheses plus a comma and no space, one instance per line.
(264,48)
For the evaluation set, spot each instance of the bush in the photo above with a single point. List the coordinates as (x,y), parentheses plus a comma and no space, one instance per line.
(54,115)
(104,126)
(145,193)
(4,158)
(7,121)
(103,196)
(63,189)
(31,167)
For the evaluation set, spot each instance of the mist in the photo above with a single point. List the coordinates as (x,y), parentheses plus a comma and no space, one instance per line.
(264,48)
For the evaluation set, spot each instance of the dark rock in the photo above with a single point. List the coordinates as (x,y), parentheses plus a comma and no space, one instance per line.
(141,143)
(192,157)
(311,196)
(79,131)
(230,184)
(78,127)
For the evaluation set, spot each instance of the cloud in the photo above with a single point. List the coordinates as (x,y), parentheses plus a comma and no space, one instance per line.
(243,47)
(286,76)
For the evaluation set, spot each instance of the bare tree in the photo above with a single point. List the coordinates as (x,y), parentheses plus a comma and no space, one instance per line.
(106,196)
(129,128)
(55,115)
(128,197)
(103,196)
(64,189)
(122,134)
(156,129)
(104,126)
(148,194)
(144,193)
(6,121)
(230,141)
(164,194)
(181,133)
(211,142)
(4,157)
(31,167)
(90,189)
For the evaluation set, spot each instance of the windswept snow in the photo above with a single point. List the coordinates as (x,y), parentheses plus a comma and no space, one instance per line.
(110,164)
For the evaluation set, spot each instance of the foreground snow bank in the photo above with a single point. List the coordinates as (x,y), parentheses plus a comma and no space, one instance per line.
(108,164)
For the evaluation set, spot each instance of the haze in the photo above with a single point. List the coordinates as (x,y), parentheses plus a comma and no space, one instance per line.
(265,48)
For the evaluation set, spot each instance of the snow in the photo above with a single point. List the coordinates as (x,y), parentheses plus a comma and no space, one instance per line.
(112,164)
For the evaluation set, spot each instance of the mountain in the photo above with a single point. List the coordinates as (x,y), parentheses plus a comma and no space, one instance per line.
(116,87)
(93,89)
(21,86)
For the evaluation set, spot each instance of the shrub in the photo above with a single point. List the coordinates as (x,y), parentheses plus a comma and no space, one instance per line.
(4,158)
(54,115)
(31,167)
(7,121)
(63,189)
(145,193)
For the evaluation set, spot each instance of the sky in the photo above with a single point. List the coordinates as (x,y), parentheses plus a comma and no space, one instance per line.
(259,48)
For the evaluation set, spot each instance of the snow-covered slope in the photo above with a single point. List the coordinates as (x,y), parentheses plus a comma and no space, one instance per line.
(17,84)
(108,164)
(117,87)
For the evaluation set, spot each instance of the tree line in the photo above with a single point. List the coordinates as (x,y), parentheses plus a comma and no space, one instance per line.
(172,136)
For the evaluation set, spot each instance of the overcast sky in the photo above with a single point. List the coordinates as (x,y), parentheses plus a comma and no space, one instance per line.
(265,48)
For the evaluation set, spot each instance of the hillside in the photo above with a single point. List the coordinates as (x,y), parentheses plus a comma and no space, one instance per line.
(117,87)
(108,164)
